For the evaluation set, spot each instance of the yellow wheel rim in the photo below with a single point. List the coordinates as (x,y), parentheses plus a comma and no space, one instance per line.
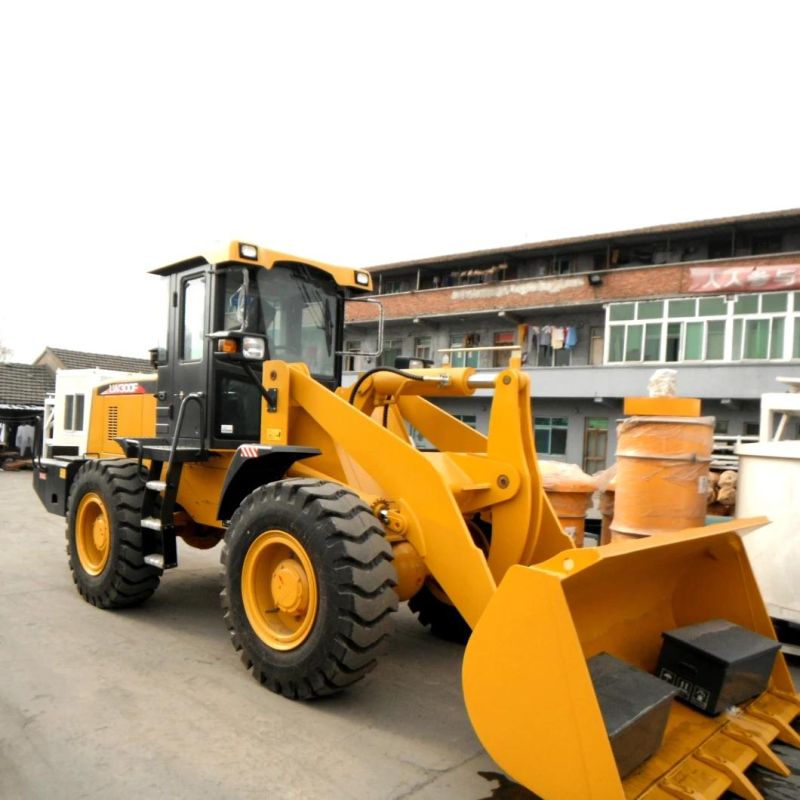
(279,590)
(92,533)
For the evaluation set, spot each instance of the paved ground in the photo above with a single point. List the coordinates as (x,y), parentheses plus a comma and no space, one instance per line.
(153,702)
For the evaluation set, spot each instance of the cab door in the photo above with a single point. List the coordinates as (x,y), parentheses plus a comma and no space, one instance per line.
(188,356)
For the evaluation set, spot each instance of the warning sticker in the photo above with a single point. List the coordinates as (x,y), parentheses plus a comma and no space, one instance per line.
(683,685)
(667,675)
(700,697)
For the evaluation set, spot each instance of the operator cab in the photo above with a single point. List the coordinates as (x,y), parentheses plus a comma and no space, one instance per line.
(226,318)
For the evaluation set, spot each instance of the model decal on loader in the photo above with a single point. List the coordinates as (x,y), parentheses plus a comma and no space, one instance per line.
(124,388)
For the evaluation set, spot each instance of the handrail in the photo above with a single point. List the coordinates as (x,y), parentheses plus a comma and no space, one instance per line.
(198,397)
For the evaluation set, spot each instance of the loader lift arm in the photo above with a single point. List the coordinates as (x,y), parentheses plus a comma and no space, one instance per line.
(432,492)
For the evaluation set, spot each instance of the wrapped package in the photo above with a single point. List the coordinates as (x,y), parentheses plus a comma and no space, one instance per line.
(663,383)
(662,480)
(569,490)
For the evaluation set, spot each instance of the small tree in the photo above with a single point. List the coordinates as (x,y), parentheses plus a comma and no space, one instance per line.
(5,353)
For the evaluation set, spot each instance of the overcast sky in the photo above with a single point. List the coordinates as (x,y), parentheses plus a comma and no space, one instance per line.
(136,134)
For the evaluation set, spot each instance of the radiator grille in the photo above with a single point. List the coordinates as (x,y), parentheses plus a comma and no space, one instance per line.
(112,422)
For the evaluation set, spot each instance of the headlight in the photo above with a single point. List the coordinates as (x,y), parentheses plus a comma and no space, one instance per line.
(253,347)
(248,251)
(362,278)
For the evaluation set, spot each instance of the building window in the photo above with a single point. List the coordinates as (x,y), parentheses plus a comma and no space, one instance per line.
(752,428)
(395,285)
(502,339)
(549,356)
(560,265)
(796,326)
(754,327)
(392,349)
(551,436)
(73,412)
(766,243)
(423,347)
(720,247)
(350,362)
(759,326)
(468,419)
(464,358)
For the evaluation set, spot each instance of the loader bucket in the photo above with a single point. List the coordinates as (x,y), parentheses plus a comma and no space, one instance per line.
(528,689)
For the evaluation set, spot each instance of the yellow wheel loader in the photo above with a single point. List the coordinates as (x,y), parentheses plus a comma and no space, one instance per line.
(329,515)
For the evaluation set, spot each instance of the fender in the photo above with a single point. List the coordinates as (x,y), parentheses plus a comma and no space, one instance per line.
(254,465)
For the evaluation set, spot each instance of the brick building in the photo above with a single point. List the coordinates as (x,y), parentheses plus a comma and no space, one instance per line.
(717,300)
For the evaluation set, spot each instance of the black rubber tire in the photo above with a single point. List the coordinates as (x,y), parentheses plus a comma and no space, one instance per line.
(443,619)
(352,563)
(125,580)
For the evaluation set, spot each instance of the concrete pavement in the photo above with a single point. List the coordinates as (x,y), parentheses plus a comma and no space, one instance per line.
(153,701)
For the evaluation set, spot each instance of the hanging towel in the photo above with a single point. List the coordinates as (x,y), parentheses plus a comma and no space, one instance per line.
(557,338)
(24,439)
(544,336)
(572,337)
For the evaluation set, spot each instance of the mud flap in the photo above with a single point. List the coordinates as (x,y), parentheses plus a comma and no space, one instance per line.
(528,690)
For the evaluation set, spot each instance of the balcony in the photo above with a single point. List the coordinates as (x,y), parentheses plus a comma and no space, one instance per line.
(563,291)
(742,381)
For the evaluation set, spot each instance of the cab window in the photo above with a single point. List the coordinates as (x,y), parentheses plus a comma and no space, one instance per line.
(193,319)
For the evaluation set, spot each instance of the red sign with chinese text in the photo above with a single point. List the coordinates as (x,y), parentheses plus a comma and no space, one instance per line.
(744,279)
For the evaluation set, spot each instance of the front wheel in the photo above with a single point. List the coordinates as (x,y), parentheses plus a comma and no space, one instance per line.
(308,580)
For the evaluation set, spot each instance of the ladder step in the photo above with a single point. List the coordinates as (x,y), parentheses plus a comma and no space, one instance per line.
(151,523)
(156,486)
(155,560)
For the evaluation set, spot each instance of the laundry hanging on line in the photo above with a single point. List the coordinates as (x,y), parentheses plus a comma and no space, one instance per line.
(555,336)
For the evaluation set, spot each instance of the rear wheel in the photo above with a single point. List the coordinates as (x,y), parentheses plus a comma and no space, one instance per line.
(432,605)
(307,587)
(434,610)
(104,540)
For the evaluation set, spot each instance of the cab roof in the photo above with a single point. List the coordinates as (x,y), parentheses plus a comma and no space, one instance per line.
(248,254)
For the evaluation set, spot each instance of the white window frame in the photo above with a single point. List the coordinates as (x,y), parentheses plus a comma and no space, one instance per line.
(791,319)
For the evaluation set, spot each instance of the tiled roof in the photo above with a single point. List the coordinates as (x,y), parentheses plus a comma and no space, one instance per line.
(75,359)
(25,384)
(479,256)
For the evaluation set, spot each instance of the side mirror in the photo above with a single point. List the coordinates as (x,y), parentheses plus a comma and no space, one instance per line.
(158,357)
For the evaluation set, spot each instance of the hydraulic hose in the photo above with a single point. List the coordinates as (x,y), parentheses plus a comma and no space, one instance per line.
(394,370)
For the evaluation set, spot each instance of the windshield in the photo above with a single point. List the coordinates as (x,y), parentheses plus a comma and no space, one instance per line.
(293,305)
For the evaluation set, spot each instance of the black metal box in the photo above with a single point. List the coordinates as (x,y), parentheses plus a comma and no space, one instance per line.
(716,664)
(635,708)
